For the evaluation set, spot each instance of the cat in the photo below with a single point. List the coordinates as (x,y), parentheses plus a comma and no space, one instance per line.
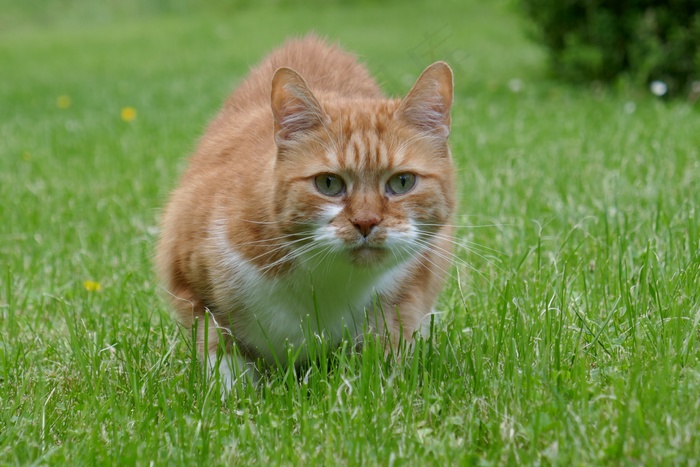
(313,205)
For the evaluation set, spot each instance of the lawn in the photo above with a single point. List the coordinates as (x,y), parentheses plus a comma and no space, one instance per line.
(570,332)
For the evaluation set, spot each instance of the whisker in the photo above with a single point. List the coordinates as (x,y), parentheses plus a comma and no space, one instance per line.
(430,245)
(269,252)
(327,250)
(470,268)
(419,256)
(474,248)
(449,256)
(274,241)
(277,222)
(442,253)
(467,244)
(333,253)
(465,226)
(291,256)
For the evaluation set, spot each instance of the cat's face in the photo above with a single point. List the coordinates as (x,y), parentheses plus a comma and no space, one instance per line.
(369,180)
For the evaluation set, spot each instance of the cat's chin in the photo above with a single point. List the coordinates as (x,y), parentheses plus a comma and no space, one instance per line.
(368,256)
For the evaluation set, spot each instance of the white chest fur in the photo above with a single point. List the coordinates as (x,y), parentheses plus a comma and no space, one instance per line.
(327,297)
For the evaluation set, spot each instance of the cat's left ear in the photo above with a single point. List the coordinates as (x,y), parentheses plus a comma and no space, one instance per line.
(294,107)
(428,103)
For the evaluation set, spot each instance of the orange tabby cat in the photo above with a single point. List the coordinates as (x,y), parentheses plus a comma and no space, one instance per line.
(313,204)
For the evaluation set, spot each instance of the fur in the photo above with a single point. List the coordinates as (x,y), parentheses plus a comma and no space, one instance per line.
(250,238)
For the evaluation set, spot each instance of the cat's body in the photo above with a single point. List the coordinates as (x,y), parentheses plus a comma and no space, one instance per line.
(312,206)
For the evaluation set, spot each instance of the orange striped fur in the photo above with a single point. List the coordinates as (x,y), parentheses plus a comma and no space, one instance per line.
(256,235)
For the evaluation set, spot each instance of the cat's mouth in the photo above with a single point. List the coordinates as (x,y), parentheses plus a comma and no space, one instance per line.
(367,255)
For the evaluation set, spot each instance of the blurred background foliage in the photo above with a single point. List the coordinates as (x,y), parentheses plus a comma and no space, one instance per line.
(637,41)
(78,11)
(643,41)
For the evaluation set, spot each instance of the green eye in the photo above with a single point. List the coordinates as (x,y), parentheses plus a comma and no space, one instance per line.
(330,184)
(400,183)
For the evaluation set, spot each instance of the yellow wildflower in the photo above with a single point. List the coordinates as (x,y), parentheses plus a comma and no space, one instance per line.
(92,286)
(63,102)
(128,114)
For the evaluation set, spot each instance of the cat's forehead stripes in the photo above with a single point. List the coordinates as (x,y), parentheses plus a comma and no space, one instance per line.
(363,151)
(364,140)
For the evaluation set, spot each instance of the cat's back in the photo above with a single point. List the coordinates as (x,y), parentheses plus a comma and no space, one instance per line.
(325,67)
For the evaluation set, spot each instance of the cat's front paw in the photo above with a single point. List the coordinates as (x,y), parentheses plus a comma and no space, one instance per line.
(231,370)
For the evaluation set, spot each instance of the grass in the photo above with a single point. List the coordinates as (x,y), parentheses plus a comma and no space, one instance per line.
(571,339)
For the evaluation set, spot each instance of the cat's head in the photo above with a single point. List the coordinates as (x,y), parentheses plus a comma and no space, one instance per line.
(370,179)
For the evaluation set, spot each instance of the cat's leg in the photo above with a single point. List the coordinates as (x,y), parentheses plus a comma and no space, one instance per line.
(426,323)
(233,369)
(233,366)
(400,324)
(410,307)
(211,334)
(399,321)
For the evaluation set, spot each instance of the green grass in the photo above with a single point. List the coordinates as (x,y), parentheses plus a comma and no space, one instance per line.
(572,339)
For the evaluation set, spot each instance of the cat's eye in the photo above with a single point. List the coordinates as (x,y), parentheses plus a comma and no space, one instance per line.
(330,184)
(400,183)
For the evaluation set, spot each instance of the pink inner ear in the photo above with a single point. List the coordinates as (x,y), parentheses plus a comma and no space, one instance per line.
(427,105)
(297,116)
(430,115)
(294,107)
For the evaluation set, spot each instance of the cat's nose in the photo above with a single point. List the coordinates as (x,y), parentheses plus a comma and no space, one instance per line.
(365,223)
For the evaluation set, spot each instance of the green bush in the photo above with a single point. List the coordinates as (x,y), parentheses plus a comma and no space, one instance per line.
(647,40)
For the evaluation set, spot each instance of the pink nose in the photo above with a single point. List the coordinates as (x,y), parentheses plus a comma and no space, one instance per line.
(364,222)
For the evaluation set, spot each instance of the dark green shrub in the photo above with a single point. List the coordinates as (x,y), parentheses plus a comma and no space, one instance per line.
(646,40)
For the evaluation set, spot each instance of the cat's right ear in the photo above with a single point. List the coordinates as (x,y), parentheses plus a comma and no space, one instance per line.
(427,106)
(294,107)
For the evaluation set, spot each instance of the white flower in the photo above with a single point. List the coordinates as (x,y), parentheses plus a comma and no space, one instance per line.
(515,85)
(658,88)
